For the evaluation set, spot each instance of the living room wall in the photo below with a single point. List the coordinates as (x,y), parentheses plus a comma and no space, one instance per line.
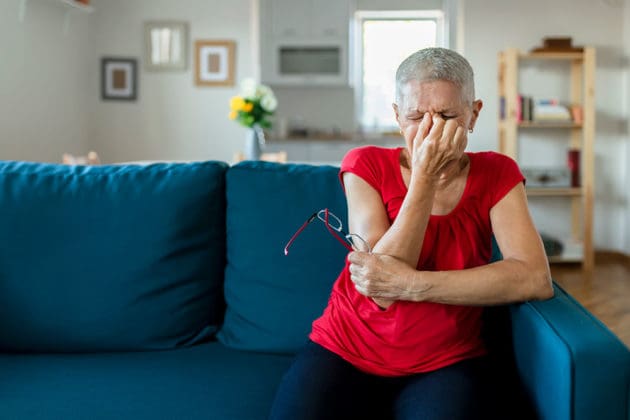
(493,25)
(172,119)
(626,173)
(44,83)
(50,103)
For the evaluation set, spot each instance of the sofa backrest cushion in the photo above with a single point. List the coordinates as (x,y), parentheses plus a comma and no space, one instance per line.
(272,298)
(109,258)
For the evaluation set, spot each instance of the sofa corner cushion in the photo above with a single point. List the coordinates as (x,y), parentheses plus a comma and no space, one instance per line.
(271,298)
(110,258)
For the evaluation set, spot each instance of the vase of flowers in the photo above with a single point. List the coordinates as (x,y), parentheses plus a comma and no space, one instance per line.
(253,109)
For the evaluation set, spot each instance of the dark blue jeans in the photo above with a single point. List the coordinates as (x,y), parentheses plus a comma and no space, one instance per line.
(320,385)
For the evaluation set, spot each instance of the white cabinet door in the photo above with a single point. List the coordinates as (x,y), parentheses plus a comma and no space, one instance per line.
(290,18)
(330,19)
(317,20)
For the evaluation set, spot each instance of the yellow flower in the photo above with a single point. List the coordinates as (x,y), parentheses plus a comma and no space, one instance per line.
(247,107)
(236,103)
(233,115)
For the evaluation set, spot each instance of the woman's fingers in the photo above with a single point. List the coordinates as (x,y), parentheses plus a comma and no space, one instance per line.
(437,127)
(448,133)
(460,140)
(425,126)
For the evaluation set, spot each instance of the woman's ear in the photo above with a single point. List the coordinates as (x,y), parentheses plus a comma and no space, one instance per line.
(395,106)
(476,109)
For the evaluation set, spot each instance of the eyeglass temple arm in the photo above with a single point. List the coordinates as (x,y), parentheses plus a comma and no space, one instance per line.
(297,233)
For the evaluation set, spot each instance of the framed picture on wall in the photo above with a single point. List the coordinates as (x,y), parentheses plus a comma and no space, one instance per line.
(214,63)
(166,46)
(119,79)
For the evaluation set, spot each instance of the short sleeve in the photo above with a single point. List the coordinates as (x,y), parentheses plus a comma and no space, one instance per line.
(506,174)
(362,162)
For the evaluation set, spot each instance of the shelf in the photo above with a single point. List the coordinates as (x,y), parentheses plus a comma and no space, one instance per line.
(550,124)
(573,252)
(566,259)
(552,55)
(551,192)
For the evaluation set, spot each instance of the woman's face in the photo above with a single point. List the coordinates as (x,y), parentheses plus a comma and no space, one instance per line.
(439,98)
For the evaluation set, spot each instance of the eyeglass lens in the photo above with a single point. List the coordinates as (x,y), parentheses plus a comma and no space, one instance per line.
(334,225)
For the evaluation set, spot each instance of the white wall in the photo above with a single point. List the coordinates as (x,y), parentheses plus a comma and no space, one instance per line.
(172,118)
(493,25)
(626,173)
(43,82)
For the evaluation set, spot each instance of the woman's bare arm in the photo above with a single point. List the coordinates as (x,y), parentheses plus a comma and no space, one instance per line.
(522,275)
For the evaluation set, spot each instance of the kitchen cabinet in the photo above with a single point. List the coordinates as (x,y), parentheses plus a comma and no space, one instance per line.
(305,42)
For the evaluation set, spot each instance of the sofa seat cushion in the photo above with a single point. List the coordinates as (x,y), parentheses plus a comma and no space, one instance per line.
(207,381)
(110,258)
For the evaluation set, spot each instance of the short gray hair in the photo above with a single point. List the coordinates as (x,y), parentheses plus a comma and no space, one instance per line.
(431,64)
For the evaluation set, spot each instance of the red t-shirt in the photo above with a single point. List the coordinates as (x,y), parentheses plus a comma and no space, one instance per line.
(412,337)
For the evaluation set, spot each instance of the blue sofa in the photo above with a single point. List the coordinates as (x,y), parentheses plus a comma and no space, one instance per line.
(162,292)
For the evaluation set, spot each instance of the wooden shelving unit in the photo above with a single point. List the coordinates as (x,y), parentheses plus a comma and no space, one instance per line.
(582,92)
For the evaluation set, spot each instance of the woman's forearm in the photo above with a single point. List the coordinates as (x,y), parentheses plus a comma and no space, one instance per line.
(405,237)
(498,283)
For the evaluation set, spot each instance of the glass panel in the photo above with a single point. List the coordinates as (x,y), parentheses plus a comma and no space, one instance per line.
(385,44)
(310,60)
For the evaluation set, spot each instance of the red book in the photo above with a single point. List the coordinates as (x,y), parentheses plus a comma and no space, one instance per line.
(573,161)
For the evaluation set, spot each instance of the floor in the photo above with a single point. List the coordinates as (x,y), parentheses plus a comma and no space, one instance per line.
(605,292)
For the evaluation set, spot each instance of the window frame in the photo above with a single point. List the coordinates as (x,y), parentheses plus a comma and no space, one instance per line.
(356,63)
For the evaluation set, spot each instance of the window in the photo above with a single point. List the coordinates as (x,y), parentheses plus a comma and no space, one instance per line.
(382,41)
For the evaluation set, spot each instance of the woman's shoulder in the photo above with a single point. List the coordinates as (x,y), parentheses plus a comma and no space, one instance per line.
(371,163)
(491,158)
(371,155)
(494,174)
(492,163)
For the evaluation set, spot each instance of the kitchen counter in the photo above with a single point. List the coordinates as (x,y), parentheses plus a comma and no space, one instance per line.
(317,149)
(377,139)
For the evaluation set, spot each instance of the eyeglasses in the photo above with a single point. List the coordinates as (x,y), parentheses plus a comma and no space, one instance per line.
(351,241)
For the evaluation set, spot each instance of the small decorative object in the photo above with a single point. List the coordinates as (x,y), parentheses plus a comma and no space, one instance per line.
(558,44)
(90,159)
(252,109)
(573,162)
(547,177)
(119,79)
(577,114)
(166,46)
(214,63)
(553,247)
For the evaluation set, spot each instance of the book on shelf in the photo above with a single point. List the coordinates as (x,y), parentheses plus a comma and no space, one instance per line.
(550,110)
(529,109)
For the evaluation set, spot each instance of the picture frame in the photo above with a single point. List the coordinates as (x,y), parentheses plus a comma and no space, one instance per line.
(119,78)
(166,46)
(214,62)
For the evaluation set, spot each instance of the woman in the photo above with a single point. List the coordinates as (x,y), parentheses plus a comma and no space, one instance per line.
(401,334)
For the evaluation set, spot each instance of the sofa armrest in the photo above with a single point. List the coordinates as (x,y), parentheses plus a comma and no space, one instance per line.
(570,364)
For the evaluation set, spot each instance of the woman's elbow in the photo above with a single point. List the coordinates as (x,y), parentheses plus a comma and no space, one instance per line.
(542,285)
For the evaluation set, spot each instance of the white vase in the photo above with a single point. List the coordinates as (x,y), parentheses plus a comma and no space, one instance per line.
(254,141)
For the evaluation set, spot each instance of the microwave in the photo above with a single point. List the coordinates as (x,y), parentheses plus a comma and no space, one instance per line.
(316,64)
